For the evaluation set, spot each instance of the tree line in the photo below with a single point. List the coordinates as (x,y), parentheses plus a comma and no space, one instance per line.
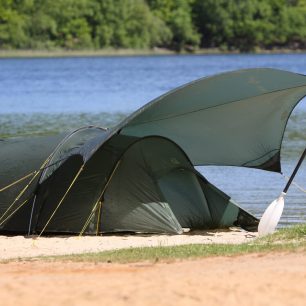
(243,25)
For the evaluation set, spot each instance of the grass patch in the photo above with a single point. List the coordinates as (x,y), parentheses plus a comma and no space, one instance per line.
(285,240)
(295,233)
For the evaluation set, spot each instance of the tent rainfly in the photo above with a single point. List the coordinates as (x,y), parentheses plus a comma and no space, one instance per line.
(139,176)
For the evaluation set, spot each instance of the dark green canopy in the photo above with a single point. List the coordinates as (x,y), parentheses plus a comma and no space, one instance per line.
(236,118)
(139,176)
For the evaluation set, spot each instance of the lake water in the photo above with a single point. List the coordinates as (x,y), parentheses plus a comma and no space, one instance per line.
(61,94)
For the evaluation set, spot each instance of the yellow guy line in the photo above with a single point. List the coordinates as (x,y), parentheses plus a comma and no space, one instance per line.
(88,219)
(25,188)
(99,215)
(19,180)
(94,207)
(12,213)
(61,201)
(19,195)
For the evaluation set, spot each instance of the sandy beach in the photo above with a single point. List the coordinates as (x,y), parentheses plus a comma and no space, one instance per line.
(277,278)
(22,246)
(273,279)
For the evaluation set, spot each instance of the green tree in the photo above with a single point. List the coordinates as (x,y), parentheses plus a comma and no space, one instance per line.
(292,25)
(177,14)
(128,24)
(247,24)
(72,29)
(40,27)
(12,26)
(177,24)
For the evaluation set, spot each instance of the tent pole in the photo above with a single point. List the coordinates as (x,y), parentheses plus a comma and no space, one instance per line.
(32,210)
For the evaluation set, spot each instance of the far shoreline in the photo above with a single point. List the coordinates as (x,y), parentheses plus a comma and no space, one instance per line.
(58,53)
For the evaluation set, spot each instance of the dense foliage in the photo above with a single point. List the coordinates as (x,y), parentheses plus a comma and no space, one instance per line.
(175,24)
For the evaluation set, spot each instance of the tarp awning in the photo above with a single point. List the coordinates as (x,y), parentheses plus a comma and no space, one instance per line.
(236,118)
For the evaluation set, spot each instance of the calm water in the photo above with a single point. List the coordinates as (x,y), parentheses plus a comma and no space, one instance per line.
(54,95)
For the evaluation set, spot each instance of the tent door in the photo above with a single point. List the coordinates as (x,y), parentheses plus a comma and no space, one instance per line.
(185,196)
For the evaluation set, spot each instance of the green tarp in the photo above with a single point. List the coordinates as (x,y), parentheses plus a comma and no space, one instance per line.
(235,118)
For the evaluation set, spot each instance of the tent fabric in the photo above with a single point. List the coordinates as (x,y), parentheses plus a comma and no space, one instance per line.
(141,195)
(133,200)
(142,170)
(71,145)
(234,119)
(168,200)
(20,156)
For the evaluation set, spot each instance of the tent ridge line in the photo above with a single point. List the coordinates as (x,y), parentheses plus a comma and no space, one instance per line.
(210,107)
(159,99)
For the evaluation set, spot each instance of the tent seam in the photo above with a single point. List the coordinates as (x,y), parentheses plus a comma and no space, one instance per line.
(210,107)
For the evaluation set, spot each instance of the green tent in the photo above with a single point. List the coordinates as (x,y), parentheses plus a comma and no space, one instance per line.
(139,176)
